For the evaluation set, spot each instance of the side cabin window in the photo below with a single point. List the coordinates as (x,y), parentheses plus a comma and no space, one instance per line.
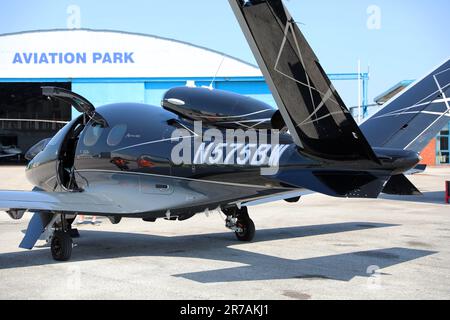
(116,135)
(93,134)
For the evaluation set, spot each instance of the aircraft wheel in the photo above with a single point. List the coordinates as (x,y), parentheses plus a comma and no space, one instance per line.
(61,246)
(248,229)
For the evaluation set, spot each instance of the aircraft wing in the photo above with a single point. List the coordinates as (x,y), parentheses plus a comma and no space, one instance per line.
(67,202)
(276,197)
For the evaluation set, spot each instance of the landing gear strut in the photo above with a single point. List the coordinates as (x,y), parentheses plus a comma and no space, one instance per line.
(61,242)
(239,221)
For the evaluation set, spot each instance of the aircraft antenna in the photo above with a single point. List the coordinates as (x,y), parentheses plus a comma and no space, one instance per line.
(217,72)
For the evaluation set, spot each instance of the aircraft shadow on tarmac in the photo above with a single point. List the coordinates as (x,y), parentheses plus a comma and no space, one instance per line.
(98,245)
(433,197)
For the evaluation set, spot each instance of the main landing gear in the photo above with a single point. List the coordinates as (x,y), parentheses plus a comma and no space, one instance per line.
(61,243)
(61,246)
(239,221)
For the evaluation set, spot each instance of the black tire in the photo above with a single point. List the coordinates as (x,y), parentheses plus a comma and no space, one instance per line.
(248,227)
(61,246)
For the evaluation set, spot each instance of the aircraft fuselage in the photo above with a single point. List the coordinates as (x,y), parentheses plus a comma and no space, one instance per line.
(131,158)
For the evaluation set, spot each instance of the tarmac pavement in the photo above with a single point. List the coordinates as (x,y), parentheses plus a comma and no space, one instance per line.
(319,248)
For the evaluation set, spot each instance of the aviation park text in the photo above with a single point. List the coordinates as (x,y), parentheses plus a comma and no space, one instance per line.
(73,58)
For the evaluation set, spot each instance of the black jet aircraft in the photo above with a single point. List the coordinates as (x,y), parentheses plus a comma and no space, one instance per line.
(117,160)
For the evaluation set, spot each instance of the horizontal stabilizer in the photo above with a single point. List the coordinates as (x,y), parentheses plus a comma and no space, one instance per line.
(414,117)
(400,185)
(420,168)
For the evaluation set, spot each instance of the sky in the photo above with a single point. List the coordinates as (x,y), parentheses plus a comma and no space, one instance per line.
(399,40)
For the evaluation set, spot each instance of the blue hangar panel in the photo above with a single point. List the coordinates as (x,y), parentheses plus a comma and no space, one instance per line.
(102,93)
(254,89)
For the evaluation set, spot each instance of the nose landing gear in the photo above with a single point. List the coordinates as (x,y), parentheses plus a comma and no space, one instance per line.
(240,222)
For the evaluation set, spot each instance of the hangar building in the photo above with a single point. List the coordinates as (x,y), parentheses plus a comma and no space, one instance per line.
(105,67)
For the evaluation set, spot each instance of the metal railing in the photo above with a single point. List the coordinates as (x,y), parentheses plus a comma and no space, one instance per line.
(30,124)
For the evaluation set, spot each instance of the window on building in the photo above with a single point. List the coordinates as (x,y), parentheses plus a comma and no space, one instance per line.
(446,131)
(443,146)
(444,143)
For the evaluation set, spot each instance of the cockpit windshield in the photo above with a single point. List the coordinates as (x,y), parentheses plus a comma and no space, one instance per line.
(37,148)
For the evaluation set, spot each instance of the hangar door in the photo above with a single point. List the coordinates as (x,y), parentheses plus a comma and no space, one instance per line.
(27,117)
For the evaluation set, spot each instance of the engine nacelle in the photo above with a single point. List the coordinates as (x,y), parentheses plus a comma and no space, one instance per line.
(220,108)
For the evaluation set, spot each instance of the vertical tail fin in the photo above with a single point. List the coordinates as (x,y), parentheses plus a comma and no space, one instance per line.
(313,111)
(415,116)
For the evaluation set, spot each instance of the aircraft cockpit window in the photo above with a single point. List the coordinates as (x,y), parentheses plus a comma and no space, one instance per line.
(36,149)
(116,135)
(92,135)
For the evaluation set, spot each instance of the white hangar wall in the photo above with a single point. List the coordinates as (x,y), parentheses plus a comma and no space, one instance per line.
(111,66)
